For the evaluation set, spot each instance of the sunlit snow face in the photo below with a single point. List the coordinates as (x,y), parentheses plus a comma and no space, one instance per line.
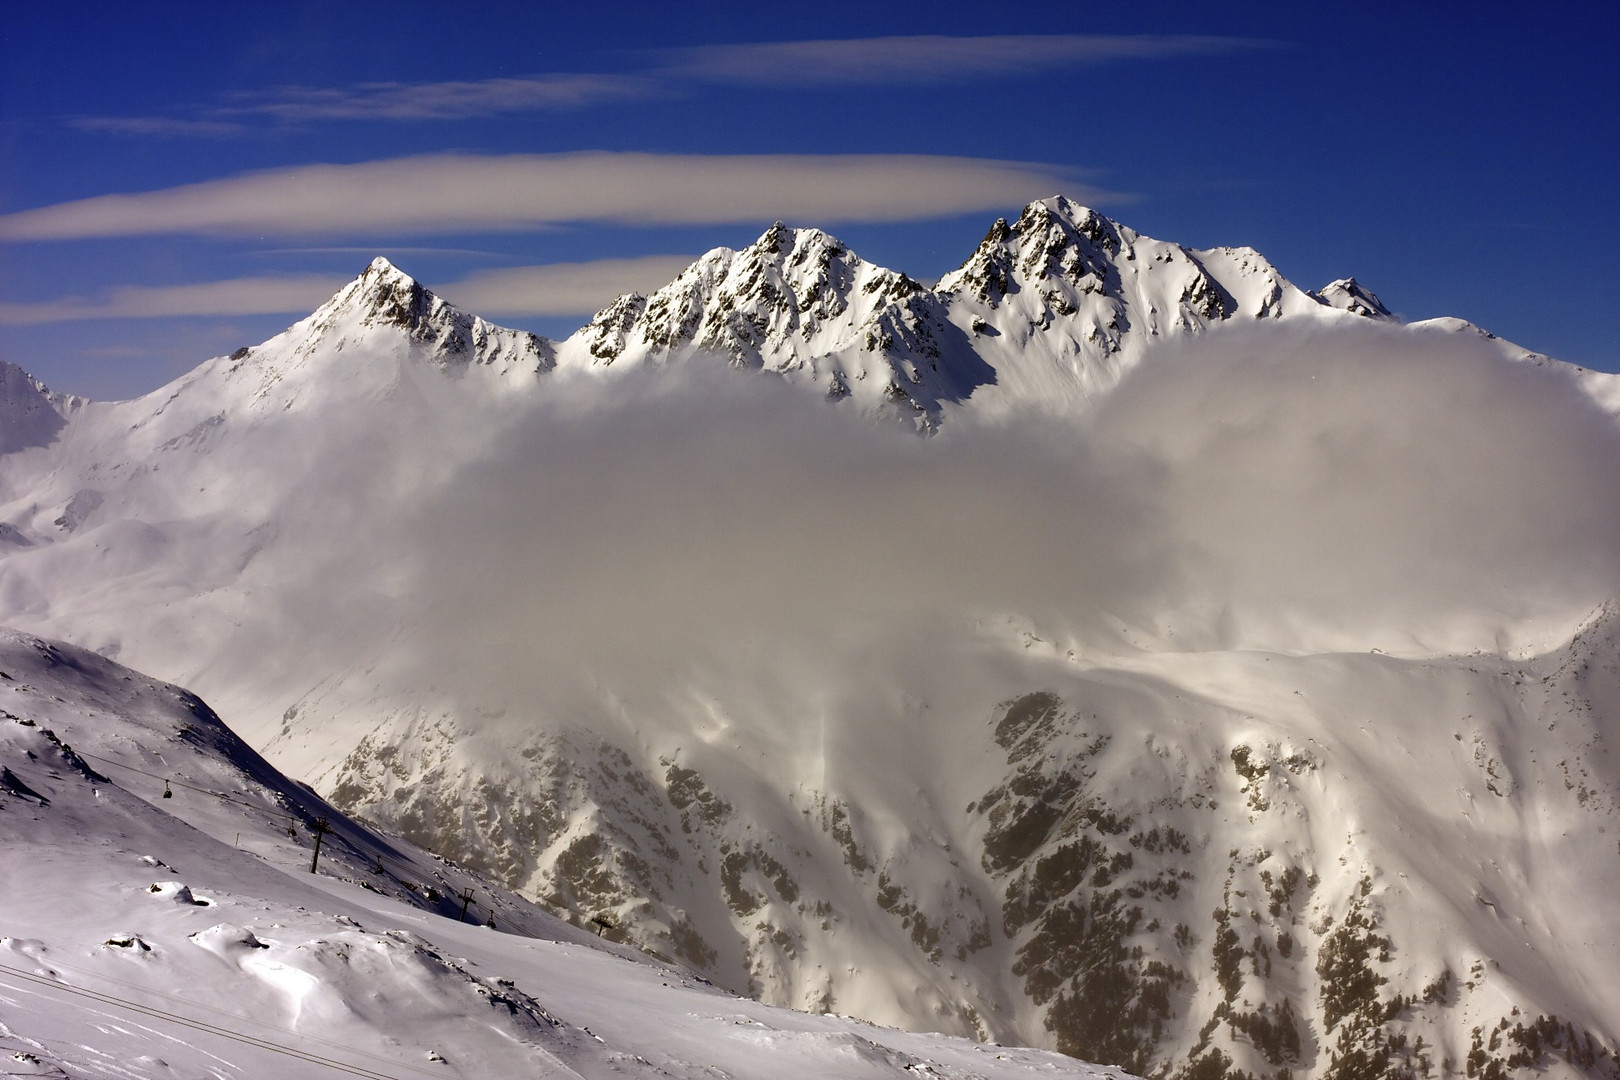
(1295,490)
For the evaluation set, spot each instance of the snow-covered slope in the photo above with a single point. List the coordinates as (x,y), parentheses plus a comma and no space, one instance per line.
(1196,709)
(158,918)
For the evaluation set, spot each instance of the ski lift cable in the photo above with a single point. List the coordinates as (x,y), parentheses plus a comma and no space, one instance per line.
(254,807)
(260,809)
(405,879)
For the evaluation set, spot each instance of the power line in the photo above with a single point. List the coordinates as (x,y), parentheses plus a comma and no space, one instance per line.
(258,808)
(399,866)
(170,779)
(402,872)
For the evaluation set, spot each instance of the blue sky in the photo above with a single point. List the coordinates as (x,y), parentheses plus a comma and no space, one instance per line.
(531,160)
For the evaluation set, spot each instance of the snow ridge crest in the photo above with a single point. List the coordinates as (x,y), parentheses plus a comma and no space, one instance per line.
(30,412)
(383,297)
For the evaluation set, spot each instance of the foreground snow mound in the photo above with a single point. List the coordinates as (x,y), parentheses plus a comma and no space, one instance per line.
(156,920)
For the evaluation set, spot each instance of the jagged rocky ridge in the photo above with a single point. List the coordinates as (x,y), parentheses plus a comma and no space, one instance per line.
(1051,307)
(1137,864)
(1049,310)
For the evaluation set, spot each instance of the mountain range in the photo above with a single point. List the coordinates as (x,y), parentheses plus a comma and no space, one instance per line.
(1111,647)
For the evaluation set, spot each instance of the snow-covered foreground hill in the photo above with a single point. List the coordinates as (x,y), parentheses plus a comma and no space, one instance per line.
(1226,684)
(152,935)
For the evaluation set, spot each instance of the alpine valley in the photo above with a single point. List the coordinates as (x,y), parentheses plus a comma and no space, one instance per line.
(1111,648)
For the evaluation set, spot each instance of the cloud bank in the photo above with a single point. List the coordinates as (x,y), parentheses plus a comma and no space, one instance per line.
(694,541)
(440,193)
(1297,492)
(1372,486)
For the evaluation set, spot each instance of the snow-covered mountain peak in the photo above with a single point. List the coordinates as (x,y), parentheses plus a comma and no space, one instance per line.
(797,302)
(1348,294)
(1063,300)
(355,344)
(815,279)
(1078,262)
(30,412)
(810,259)
(1052,238)
(383,297)
(1051,309)
(791,295)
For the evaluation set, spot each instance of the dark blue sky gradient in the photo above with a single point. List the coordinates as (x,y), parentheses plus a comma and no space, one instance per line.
(1457,159)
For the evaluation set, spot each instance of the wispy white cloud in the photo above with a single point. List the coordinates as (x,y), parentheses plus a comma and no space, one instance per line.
(376,101)
(441,193)
(551,289)
(392,251)
(560,288)
(917,59)
(155,125)
(438,101)
(933,58)
(239,296)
